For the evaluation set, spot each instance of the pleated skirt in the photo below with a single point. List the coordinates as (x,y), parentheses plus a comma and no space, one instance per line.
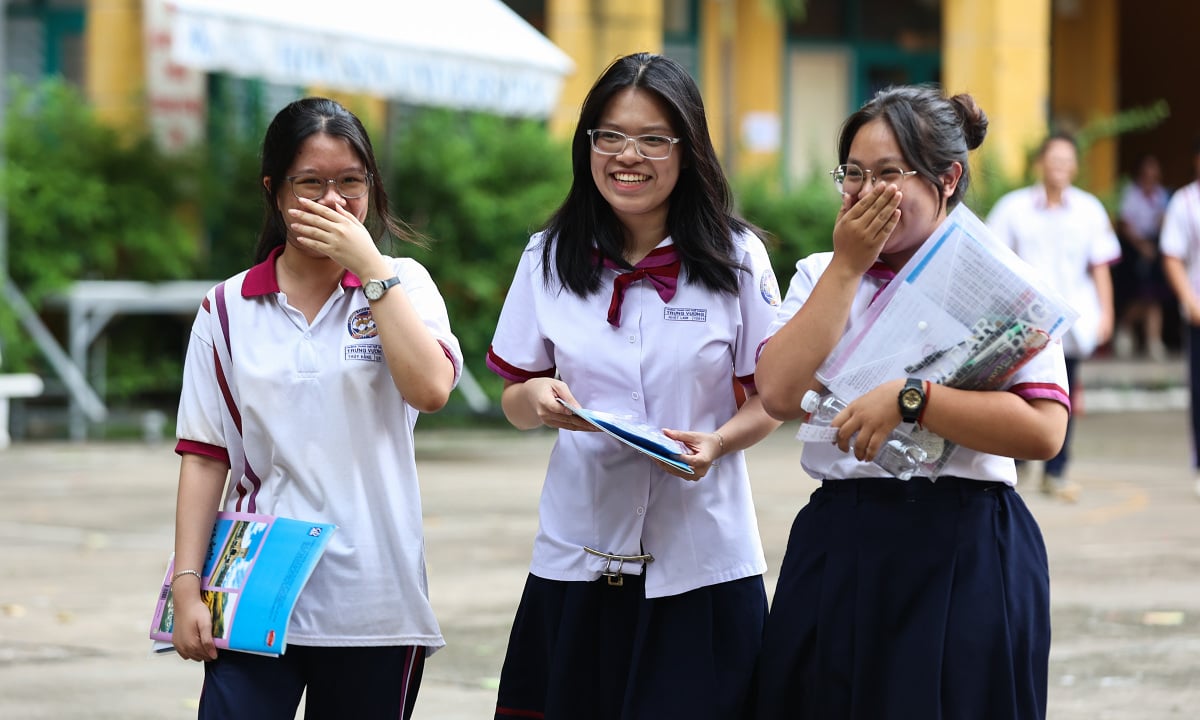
(593,651)
(909,600)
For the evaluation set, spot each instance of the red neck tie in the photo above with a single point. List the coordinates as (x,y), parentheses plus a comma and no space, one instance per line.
(660,267)
(880,271)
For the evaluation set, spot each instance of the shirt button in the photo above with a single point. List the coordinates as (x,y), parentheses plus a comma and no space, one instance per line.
(633,338)
(636,396)
(641,510)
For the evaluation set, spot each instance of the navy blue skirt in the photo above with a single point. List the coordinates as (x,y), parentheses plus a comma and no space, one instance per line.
(593,651)
(909,600)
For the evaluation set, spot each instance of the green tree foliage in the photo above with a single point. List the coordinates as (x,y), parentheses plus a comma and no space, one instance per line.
(476,186)
(797,221)
(86,202)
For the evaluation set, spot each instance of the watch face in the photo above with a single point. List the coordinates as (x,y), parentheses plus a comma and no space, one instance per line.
(373,290)
(911,398)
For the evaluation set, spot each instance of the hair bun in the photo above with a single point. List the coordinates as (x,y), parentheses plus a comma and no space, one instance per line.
(974,120)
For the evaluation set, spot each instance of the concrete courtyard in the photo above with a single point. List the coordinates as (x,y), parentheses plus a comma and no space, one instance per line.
(86,529)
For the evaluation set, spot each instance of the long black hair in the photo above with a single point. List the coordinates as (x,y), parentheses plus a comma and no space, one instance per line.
(287,132)
(933,132)
(700,218)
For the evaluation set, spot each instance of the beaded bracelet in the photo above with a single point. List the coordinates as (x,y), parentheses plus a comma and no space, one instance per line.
(181,573)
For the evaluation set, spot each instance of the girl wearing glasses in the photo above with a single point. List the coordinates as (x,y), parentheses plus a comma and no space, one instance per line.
(304,377)
(645,297)
(906,599)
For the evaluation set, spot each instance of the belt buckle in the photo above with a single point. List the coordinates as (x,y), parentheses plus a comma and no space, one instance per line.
(616,577)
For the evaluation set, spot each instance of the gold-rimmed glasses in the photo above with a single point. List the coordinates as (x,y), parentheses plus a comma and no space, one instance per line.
(850,179)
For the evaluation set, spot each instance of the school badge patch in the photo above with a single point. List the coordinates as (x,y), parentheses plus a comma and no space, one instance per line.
(768,287)
(362,324)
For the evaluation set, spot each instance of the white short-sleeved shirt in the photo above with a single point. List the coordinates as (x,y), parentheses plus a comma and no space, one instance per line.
(667,364)
(1181,231)
(327,436)
(1065,242)
(1144,213)
(1045,376)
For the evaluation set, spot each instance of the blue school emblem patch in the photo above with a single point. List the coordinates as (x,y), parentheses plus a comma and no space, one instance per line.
(362,324)
(768,286)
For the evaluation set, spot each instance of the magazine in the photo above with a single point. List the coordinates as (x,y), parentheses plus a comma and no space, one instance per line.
(256,567)
(639,436)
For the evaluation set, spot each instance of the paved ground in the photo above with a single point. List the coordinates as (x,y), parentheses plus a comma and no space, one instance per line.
(85,530)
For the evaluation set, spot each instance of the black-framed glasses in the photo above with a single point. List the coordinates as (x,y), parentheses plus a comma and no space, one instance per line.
(651,147)
(850,178)
(313,187)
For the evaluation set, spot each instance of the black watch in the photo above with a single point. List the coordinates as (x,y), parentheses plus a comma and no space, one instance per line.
(912,400)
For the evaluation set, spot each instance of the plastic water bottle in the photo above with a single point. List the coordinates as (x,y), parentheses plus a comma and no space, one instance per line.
(900,455)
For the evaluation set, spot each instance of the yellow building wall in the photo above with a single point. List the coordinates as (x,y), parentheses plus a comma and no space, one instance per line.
(758,86)
(742,63)
(999,52)
(114,69)
(1085,82)
(594,33)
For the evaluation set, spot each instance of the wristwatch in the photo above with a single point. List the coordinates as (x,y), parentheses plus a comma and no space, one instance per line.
(912,400)
(374,289)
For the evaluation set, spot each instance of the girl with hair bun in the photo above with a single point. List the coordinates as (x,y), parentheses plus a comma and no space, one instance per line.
(906,599)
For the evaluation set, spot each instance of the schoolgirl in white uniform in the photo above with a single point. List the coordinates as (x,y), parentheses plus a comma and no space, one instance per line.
(906,599)
(1181,262)
(1067,233)
(304,377)
(644,297)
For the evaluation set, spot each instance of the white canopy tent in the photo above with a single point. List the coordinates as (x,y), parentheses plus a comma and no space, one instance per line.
(467,54)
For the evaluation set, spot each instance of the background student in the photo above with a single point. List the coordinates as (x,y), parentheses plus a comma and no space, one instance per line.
(1181,263)
(1065,232)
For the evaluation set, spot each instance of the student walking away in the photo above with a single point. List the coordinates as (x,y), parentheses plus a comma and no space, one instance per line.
(304,377)
(1066,233)
(644,297)
(1181,263)
(905,599)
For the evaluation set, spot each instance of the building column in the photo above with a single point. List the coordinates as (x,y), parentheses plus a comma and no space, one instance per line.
(742,61)
(114,69)
(594,33)
(1084,83)
(999,52)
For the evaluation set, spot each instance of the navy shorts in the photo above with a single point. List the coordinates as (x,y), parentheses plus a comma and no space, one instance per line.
(593,651)
(341,682)
(901,600)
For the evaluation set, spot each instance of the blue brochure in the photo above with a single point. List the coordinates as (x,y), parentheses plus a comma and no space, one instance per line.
(256,567)
(639,436)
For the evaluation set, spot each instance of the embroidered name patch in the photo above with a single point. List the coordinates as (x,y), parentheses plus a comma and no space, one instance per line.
(365,352)
(685,314)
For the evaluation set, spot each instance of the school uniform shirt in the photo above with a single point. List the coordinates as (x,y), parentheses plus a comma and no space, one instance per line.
(1143,212)
(668,365)
(314,428)
(1064,243)
(1045,376)
(1181,232)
